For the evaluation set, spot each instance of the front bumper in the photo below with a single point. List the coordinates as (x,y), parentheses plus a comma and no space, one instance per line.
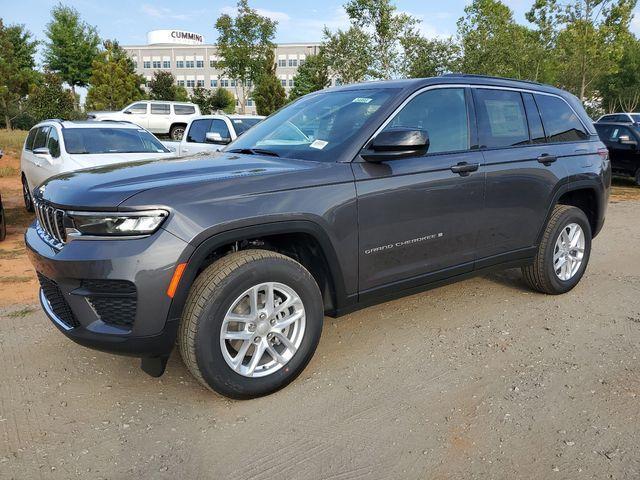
(81,310)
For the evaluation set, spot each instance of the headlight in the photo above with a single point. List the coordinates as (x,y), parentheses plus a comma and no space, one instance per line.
(105,224)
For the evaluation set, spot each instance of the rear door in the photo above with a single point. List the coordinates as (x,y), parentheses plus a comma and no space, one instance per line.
(418,220)
(159,117)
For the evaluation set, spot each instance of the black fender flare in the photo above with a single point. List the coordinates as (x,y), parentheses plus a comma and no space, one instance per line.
(204,248)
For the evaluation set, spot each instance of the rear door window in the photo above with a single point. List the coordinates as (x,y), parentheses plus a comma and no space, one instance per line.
(184,109)
(28,144)
(560,122)
(502,121)
(160,109)
(41,137)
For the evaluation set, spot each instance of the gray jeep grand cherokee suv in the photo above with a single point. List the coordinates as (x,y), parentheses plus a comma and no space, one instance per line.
(342,199)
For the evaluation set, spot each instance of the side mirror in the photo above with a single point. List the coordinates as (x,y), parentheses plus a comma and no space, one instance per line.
(128,112)
(396,143)
(626,140)
(42,152)
(215,137)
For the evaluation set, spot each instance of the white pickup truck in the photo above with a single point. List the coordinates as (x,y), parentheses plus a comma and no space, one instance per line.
(210,133)
(161,118)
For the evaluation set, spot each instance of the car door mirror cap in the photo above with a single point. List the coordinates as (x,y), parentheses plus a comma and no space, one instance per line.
(128,112)
(395,144)
(216,138)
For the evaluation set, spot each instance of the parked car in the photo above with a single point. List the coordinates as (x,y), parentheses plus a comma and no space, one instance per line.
(620,117)
(3,222)
(622,140)
(162,118)
(344,198)
(210,133)
(54,146)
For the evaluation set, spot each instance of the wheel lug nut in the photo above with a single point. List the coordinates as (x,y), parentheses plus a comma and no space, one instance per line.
(273,321)
(251,327)
(263,316)
(256,340)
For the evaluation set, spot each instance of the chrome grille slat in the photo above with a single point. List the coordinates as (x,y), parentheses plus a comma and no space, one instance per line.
(51,221)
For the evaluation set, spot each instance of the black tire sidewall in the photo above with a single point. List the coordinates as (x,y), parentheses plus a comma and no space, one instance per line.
(637,177)
(26,195)
(573,215)
(212,365)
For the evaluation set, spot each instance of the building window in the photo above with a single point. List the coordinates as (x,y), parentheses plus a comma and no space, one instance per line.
(212,63)
(191,83)
(214,82)
(283,82)
(249,102)
(282,62)
(293,62)
(166,64)
(190,64)
(180,64)
(233,83)
(146,64)
(291,82)
(200,63)
(301,62)
(156,64)
(224,82)
(200,83)
(249,83)
(181,83)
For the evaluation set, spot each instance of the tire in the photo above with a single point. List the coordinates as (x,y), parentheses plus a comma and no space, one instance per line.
(211,299)
(177,132)
(3,224)
(26,195)
(637,177)
(541,275)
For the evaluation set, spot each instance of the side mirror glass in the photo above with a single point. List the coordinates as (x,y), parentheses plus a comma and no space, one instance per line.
(626,140)
(397,143)
(215,137)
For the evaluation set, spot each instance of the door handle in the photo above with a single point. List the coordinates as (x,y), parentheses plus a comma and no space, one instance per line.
(464,168)
(547,159)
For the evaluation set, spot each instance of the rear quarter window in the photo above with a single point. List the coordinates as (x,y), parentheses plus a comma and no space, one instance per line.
(184,109)
(560,122)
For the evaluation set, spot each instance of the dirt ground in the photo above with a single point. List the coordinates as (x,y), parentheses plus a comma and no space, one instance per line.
(481,379)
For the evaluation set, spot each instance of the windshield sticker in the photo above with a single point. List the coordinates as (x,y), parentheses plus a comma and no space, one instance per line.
(319,144)
(361,100)
(237,120)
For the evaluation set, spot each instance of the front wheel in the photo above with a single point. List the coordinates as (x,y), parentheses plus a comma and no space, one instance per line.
(26,195)
(251,323)
(638,177)
(563,253)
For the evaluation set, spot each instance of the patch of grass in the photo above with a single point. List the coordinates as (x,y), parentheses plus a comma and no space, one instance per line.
(8,172)
(11,254)
(23,312)
(12,140)
(15,279)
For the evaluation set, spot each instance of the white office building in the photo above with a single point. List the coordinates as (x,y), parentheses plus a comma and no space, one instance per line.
(192,61)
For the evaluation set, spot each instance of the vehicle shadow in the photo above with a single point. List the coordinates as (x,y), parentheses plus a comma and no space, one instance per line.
(511,278)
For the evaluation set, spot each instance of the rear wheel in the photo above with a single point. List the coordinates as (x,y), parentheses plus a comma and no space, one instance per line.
(251,323)
(563,253)
(26,195)
(177,132)
(638,177)
(3,223)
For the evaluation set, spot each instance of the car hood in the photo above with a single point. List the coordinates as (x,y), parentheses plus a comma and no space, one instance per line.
(235,174)
(99,160)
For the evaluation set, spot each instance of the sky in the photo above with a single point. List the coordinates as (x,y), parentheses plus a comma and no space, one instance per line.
(298,21)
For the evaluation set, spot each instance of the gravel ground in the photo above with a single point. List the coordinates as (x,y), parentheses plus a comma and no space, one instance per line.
(481,379)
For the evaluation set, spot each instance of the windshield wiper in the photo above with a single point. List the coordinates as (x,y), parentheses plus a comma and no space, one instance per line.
(254,151)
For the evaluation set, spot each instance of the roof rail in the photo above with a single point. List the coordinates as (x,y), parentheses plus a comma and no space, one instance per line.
(57,120)
(473,75)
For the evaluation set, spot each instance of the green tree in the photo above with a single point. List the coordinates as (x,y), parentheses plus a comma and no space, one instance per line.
(202,97)
(386,28)
(17,64)
(163,87)
(311,76)
(620,91)
(71,47)
(429,58)
(494,44)
(244,42)
(49,99)
(269,93)
(211,101)
(114,82)
(348,54)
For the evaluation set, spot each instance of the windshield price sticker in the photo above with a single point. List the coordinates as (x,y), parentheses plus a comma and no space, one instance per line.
(319,144)
(361,100)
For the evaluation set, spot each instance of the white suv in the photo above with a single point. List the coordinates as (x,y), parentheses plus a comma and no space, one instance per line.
(56,146)
(156,116)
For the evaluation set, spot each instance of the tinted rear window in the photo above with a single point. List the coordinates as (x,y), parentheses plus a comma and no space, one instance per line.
(560,122)
(184,109)
(241,125)
(502,121)
(80,141)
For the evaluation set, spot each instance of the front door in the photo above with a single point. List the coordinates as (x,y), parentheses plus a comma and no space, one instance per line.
(138,114)
(623,153)
(418,219)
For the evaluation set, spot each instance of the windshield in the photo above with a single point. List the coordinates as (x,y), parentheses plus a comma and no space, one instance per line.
(315,127)
(81,141)
(243,124)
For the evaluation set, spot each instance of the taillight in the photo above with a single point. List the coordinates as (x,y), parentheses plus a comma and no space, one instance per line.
(604,153)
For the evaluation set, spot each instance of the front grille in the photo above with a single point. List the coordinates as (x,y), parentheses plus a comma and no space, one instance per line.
(50,221)
(114,301)
(57,302)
